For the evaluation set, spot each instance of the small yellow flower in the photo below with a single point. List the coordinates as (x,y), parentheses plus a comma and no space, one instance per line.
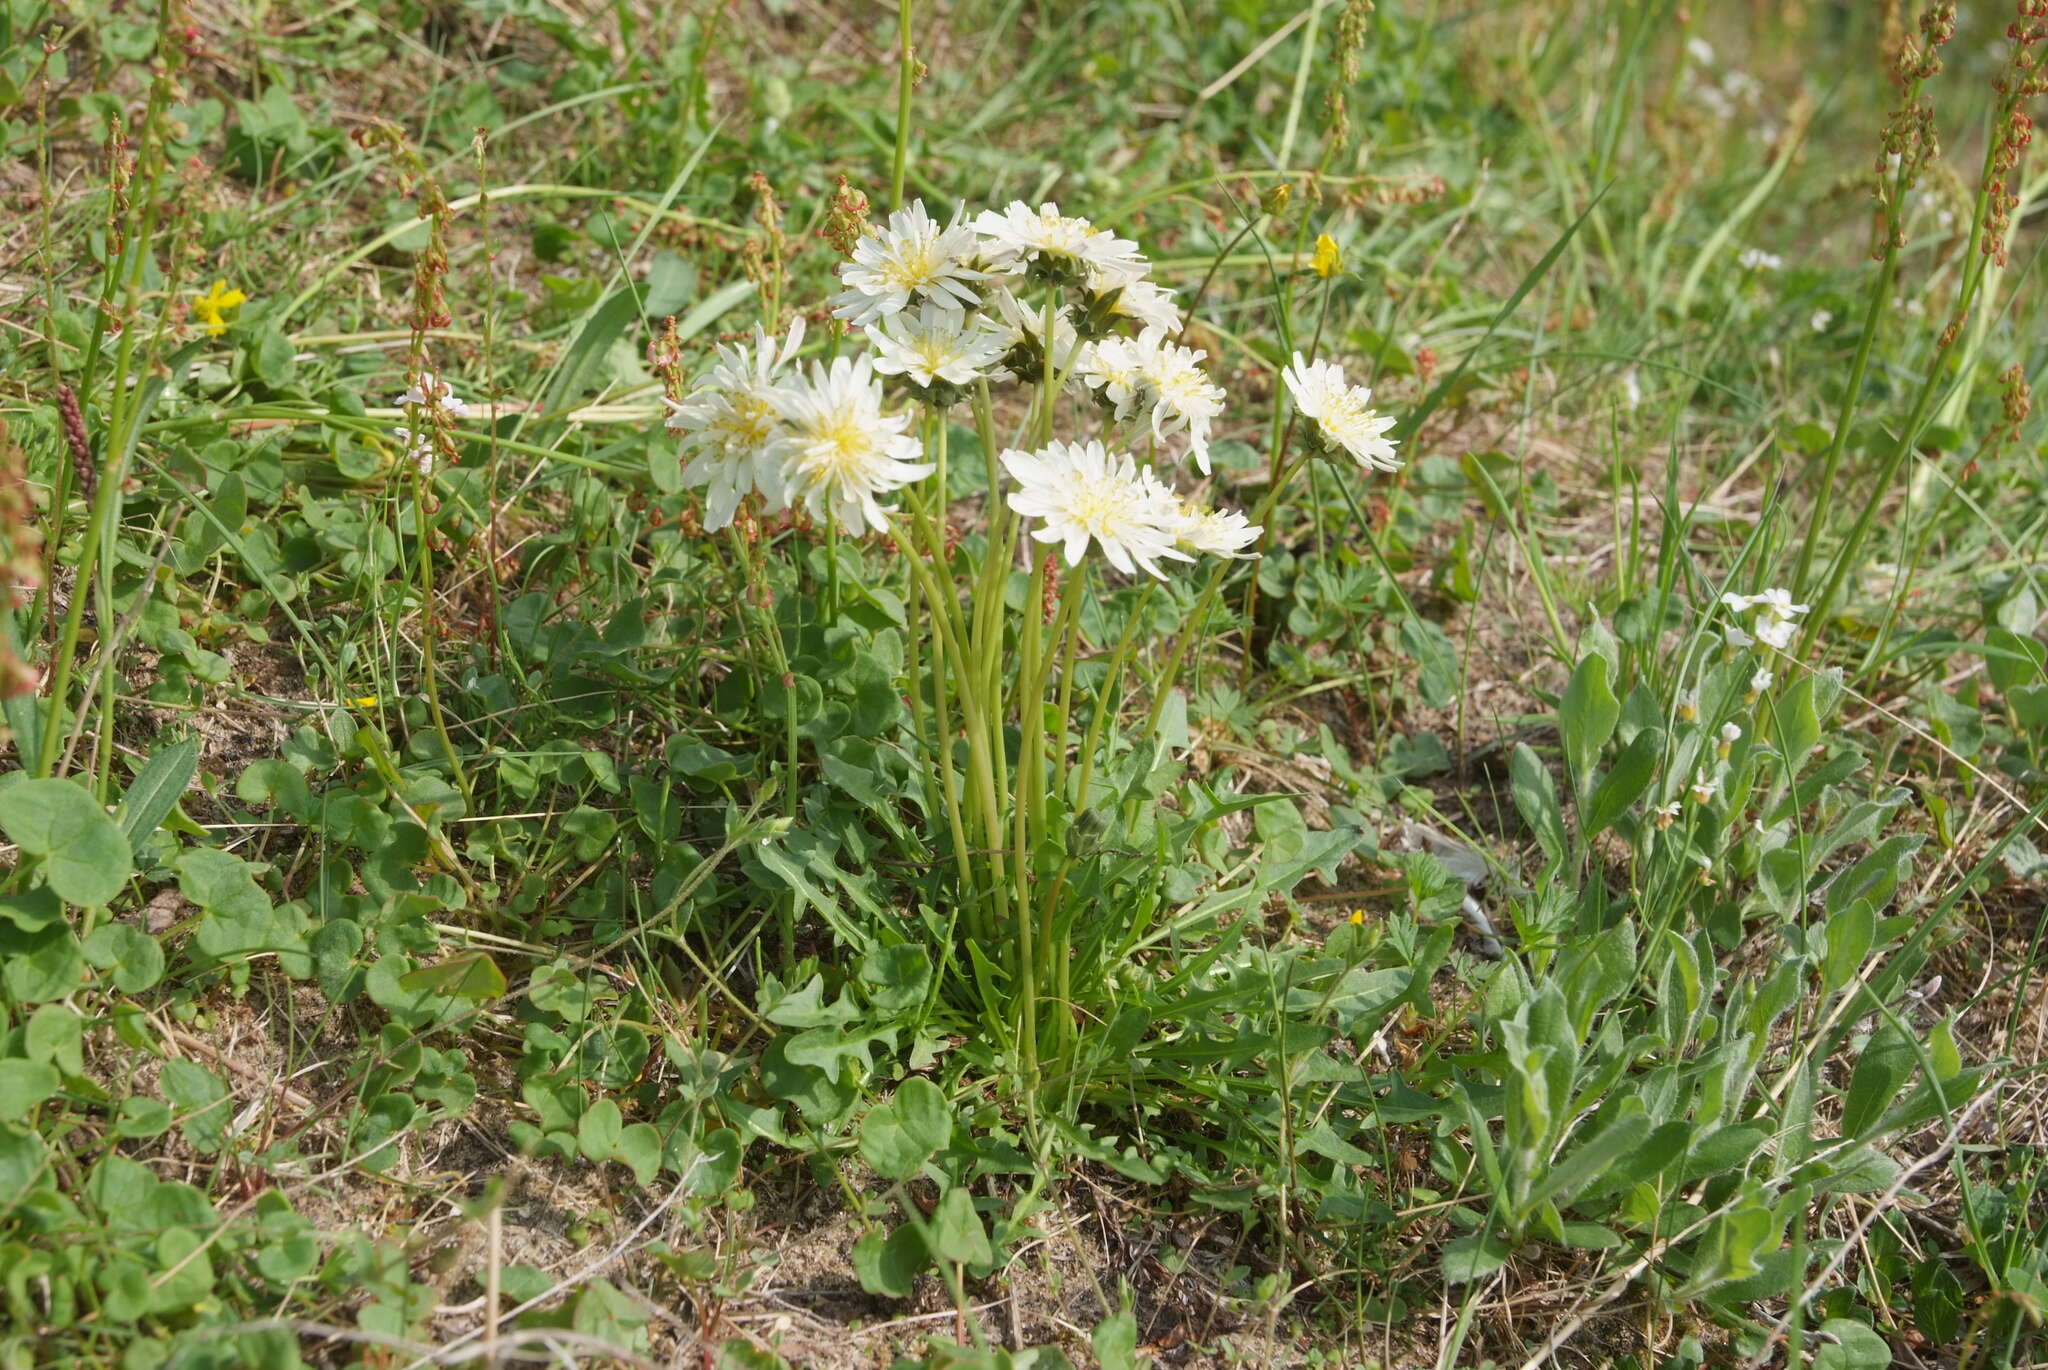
(214,303)
(1329,261)
(1358,918)
(365,701)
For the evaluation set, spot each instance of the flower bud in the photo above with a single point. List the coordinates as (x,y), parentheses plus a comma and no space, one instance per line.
(1328,260)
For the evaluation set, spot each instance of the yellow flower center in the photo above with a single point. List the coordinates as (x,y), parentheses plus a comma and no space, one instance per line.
(747,423)
(837,451)
(911,264)
(1100,506)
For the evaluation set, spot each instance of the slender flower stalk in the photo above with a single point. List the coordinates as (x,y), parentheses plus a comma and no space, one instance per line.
(906,77)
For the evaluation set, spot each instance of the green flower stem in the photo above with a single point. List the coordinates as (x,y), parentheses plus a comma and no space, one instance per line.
(1873,317)
(1028,801)
(1163,685)
(906,77)
(785,908)
(74,614)
(1047,390)
(1070,609)
(945,610)
(995,562)
(1909,434)
(1208,279)
(1053,953)
(982,796)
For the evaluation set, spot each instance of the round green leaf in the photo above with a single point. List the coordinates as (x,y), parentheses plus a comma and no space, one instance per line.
(888,1263)
(85,858)
(896,1137)
(142,1117)
(132,954)
(23,1085)
(1851,1346)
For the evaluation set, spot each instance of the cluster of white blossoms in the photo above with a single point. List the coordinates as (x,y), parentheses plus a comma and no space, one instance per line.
(433,399)
(1777,618)
(1016,295)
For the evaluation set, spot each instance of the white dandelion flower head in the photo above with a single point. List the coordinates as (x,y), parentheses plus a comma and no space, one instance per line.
(909,257)
(729,422)
(936,346)
(1081,493)
(838,450)
(1055,246)
(1219,532)
(1111,368)
(1179,392)
(1141,303)
(1342,414)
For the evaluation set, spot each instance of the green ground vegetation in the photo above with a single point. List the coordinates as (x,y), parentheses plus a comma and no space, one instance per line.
(462,910)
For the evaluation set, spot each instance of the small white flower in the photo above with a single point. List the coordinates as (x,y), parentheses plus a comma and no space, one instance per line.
(1668,814)
(1741,87)
(1219,532)
(1776,633)
(1738,603)
(1704,787)
(1731,733)
(1145,303)
(910,256)
(1736,638)
(1761,681)
(728,423)
(1111,366)
(419,448)
(1700,50)
(1342,413)
(1689,705)
(1756,259)
(430,389)
(1823,319)
(935,344)
(1180,393)
(1777,602)
(840,450)
(1020,238)
(1082,493)
(1631,388)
